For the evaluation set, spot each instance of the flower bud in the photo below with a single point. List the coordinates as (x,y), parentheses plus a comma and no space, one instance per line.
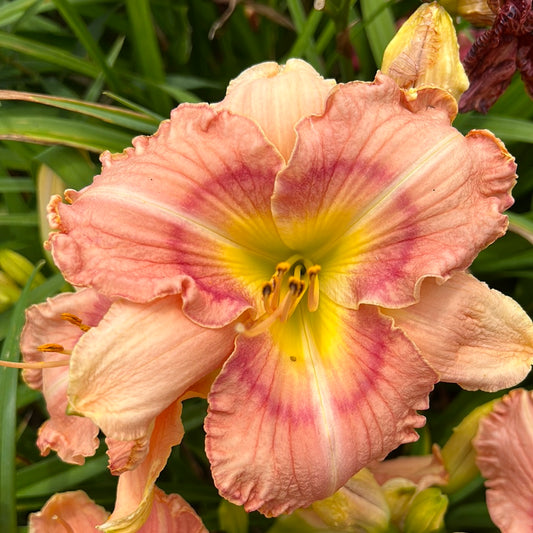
(458,454)
(425,52)
(9,292)
(18,268)
(476,12)
(359,505)
(426,514)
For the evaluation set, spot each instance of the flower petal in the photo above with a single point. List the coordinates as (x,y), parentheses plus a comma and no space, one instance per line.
(172,514)
(277,97)
(72,437)
(470,334)
(135,490)
(68,511)
(139,360)
(294,415)
(382,196)
(503,443)
(174,215)
(424,470)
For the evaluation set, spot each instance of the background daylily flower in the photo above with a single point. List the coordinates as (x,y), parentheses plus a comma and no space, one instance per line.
(290,216)
(503,445)
(66,319)
(75,511)
(498,53)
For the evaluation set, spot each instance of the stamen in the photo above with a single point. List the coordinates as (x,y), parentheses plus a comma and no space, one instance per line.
(313,292)
(281,270)
(53,348)
(73,319)
(35,365)
(292,298)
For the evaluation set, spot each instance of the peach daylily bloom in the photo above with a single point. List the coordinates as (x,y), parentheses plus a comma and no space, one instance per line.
(75,511)
(503,445)
(297,214)
(68,319)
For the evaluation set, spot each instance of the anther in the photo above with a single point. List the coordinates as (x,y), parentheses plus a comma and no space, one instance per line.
(73,319)
(58,348)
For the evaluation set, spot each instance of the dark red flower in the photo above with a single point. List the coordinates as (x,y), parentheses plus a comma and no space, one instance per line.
(498,53)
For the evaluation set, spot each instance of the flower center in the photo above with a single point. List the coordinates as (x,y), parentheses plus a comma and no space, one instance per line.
(284,291)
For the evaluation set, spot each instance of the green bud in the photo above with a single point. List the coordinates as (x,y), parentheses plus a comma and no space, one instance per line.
(358,506)
(426,514)
(399,492)
(18,268)
(458,454)
(9,292)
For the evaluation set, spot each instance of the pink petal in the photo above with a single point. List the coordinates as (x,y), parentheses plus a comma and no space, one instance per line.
(294,415)
(140,359)
(73,437)
(381,194)
(424,470)
(277,97)
(68,511)
(470,334)
(135,490)
(175,214)
(503,444)
(125,454)
(172,514)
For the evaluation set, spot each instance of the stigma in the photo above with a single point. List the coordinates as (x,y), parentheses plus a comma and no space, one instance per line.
(281,294)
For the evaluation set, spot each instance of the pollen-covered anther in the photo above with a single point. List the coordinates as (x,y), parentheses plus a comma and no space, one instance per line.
(51,347)
(76,321)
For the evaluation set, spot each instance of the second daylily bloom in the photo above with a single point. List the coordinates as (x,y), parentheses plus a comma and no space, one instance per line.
(293,212)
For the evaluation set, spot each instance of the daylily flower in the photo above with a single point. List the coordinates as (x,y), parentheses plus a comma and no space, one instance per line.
(498,53)
(68,319)
(309,219)
(503,444)
(76,512)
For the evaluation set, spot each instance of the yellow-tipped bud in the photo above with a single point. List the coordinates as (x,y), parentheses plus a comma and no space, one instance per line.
(476,12)
(425,52)
(18,268)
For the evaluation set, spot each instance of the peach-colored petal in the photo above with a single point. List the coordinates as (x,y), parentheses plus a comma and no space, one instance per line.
(503,444)
(135,490)
(173,214)
(470,334)
(294,415)
(73,437)
(68,511)
(381,196)
(140,359)
(126,454)
(424,470)
(277,97)
(172,514)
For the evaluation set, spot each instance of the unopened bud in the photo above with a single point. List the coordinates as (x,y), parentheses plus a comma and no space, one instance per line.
(425,52)
(426,514)
(358,506)
(458,454)
(18,268)
(9,292)
(476,12)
